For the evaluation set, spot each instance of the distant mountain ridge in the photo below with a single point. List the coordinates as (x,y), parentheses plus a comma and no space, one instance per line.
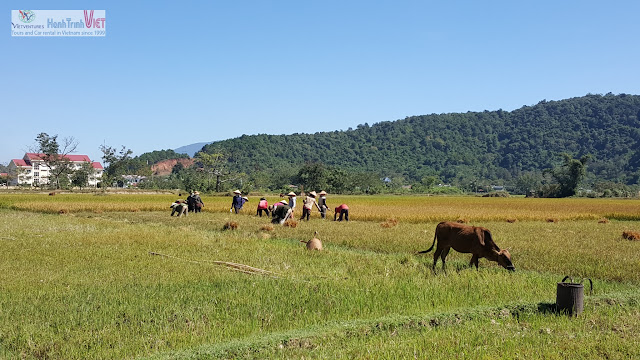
(191,149)
(464,146)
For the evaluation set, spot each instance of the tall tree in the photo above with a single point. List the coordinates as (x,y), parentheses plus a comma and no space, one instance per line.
(117,163)
(214,165)
(569,174)
(527,183)
(313,176)
(55,156)
(80,177)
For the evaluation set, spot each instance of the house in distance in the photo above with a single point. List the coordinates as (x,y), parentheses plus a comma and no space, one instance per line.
(33,171)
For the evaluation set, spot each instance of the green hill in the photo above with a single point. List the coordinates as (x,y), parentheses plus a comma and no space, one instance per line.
(459,147)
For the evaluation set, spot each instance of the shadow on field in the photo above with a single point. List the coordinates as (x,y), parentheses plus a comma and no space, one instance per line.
(543,308)
(547,308)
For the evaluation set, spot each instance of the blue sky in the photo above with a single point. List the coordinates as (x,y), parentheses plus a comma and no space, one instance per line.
(170,74)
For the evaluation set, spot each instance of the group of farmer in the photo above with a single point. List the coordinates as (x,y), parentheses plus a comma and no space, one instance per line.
(193,204)
(280,212)
(283,210)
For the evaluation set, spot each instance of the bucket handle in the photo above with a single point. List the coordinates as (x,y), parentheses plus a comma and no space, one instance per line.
(567,277)
(590,283)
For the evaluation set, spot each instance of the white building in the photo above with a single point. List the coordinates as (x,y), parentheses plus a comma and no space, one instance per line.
(132,180)
(32,170)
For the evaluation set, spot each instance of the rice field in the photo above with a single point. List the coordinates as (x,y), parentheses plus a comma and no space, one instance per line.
(87,276)
(414,209)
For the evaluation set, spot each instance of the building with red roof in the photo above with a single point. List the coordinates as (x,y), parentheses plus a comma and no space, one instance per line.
(32,170)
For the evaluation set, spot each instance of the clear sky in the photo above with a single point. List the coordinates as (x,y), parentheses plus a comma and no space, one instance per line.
(172,73)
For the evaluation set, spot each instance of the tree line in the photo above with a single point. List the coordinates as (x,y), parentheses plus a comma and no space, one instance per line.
(514,148)
(554,148)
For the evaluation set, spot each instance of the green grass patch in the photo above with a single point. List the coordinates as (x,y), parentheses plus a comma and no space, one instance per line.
(83,285)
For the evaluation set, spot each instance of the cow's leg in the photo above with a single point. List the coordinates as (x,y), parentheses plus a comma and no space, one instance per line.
(474,261)
(436,255)
(445,252)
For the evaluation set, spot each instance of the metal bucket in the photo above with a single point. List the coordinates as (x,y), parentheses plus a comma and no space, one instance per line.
(570,297)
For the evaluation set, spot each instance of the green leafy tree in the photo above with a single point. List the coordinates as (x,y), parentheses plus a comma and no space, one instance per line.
(282,177)
(80,177)
(117,162)
(527,183)
(260,180)
(313,176)
(55,157)
(339,181)
(429,181)
(162,182)
(569,175)
(194,178)
(177,168)
(215,167)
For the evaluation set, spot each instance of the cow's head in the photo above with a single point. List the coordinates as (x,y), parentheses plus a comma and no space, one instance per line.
(504,259)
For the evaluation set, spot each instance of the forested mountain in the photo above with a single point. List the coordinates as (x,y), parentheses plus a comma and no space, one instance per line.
(156,156)
(142,165)
(464,147)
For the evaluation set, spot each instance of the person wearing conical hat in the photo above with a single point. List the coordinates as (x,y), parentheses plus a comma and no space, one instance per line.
(191,201)
(180,207)
(322,203)
(237,201)
(197,202)
(292,201)
(307,204)
(281,213)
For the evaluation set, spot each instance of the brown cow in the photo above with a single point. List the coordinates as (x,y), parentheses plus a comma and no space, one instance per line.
(467,239)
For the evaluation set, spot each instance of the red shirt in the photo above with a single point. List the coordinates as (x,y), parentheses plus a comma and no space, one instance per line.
(342,207)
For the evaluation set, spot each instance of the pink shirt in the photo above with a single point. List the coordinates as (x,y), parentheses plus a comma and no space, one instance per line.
(263,204)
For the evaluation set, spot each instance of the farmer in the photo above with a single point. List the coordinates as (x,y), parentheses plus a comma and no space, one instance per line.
(263,205)
(322,203)
(237,202)
(180,207)
(281,213)
(307,204)
(197,202)
(292,201)
(191,201)
(343,210)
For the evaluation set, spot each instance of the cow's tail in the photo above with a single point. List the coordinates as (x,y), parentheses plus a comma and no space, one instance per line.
(432,245)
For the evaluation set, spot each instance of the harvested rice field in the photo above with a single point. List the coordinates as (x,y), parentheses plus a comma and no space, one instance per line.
(113,276)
